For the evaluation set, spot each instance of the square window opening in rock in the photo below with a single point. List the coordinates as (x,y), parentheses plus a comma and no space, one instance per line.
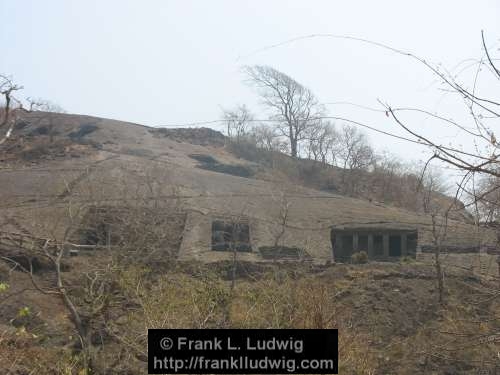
(230,236)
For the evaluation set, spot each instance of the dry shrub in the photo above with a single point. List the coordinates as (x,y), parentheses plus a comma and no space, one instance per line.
(275,300)
(168,301)
(464,339)
(22,353)
(281,301)
(360,257)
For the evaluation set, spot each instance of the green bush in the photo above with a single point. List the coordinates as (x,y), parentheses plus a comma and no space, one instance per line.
(360,257)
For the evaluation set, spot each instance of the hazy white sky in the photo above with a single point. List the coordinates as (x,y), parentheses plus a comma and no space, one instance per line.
(174,62)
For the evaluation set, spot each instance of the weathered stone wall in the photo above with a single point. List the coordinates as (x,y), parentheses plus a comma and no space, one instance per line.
(460,235)
(196,243)
(477,263)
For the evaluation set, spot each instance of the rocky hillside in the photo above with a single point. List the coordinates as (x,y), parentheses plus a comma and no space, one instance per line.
(41,137)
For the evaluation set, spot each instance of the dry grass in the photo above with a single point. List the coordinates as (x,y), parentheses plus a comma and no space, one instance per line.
(388,317)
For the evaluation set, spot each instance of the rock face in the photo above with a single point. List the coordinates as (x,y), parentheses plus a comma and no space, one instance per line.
(127,165)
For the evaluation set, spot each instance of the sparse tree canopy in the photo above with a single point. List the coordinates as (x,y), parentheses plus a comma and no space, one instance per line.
(237,121)
(323,139)
(355,152)
(266,137)
(293,106)
(38,104)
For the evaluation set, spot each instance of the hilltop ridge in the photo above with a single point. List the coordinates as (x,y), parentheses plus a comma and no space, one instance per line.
(54,138)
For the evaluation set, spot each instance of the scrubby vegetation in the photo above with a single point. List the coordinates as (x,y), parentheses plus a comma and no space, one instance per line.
(387,316)
(384,179)
(359,257)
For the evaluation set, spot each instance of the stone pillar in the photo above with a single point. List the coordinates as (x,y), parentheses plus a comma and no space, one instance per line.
(371,252)
(404,246)
(355,242)
(386,245)
(338,246)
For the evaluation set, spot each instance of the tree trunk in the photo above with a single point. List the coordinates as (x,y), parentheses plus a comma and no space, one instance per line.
(439,274)
(293,143)
(80,326)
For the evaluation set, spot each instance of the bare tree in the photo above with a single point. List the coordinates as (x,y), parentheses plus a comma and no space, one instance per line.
(355,151)
(323,139)
(480,161)
(293,106)
(11,106)
(488,206)
(354,155)
(387,178)
(483,111)
(38,104)
(284,207)
(237,122)
(266,137)
(430,183)
(7,120)
(54,250)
